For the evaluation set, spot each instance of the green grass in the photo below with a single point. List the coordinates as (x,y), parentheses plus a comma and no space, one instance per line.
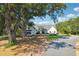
(66,34)
(54,36)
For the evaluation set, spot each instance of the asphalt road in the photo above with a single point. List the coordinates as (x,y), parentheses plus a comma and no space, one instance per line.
(62,47)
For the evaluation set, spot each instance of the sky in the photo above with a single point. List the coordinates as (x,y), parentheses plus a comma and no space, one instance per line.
(72,11)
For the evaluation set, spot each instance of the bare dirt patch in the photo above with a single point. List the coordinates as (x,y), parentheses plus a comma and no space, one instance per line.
(34,46)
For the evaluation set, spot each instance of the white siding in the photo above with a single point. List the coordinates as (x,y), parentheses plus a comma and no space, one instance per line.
(48,29)
(52,30)
(33,31)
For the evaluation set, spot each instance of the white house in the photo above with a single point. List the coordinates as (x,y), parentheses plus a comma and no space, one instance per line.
(52,30)
(48,28)
(32,31)
(43,29)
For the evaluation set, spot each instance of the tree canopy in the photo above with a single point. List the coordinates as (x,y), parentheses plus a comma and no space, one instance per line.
(18,15)
(69,27)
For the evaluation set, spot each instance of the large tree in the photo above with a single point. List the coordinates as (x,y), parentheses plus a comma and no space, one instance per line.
(30,10)
(19,14)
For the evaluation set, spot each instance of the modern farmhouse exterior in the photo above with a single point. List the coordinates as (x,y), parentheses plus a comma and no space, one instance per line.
(42,29)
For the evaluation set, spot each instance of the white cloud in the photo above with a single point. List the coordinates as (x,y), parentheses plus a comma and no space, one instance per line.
(60,19)
(71,16)
(76,9)
(67,17)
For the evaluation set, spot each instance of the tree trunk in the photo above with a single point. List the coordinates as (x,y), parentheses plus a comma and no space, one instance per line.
(10,31)
(12,36)
(24,31)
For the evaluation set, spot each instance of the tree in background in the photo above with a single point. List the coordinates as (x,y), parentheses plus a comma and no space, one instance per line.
(69,27)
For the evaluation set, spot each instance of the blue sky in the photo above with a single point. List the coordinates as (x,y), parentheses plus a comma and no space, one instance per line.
(72,11)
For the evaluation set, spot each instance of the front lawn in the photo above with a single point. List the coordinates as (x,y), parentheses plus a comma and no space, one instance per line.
(56,36)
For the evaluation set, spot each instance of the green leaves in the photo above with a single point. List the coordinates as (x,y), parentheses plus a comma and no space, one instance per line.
(69,27)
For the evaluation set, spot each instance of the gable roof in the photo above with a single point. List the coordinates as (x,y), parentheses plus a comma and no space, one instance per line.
(45,26)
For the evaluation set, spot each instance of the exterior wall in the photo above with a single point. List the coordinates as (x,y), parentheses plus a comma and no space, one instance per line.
(33,31)
(47,29)
(52,30)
